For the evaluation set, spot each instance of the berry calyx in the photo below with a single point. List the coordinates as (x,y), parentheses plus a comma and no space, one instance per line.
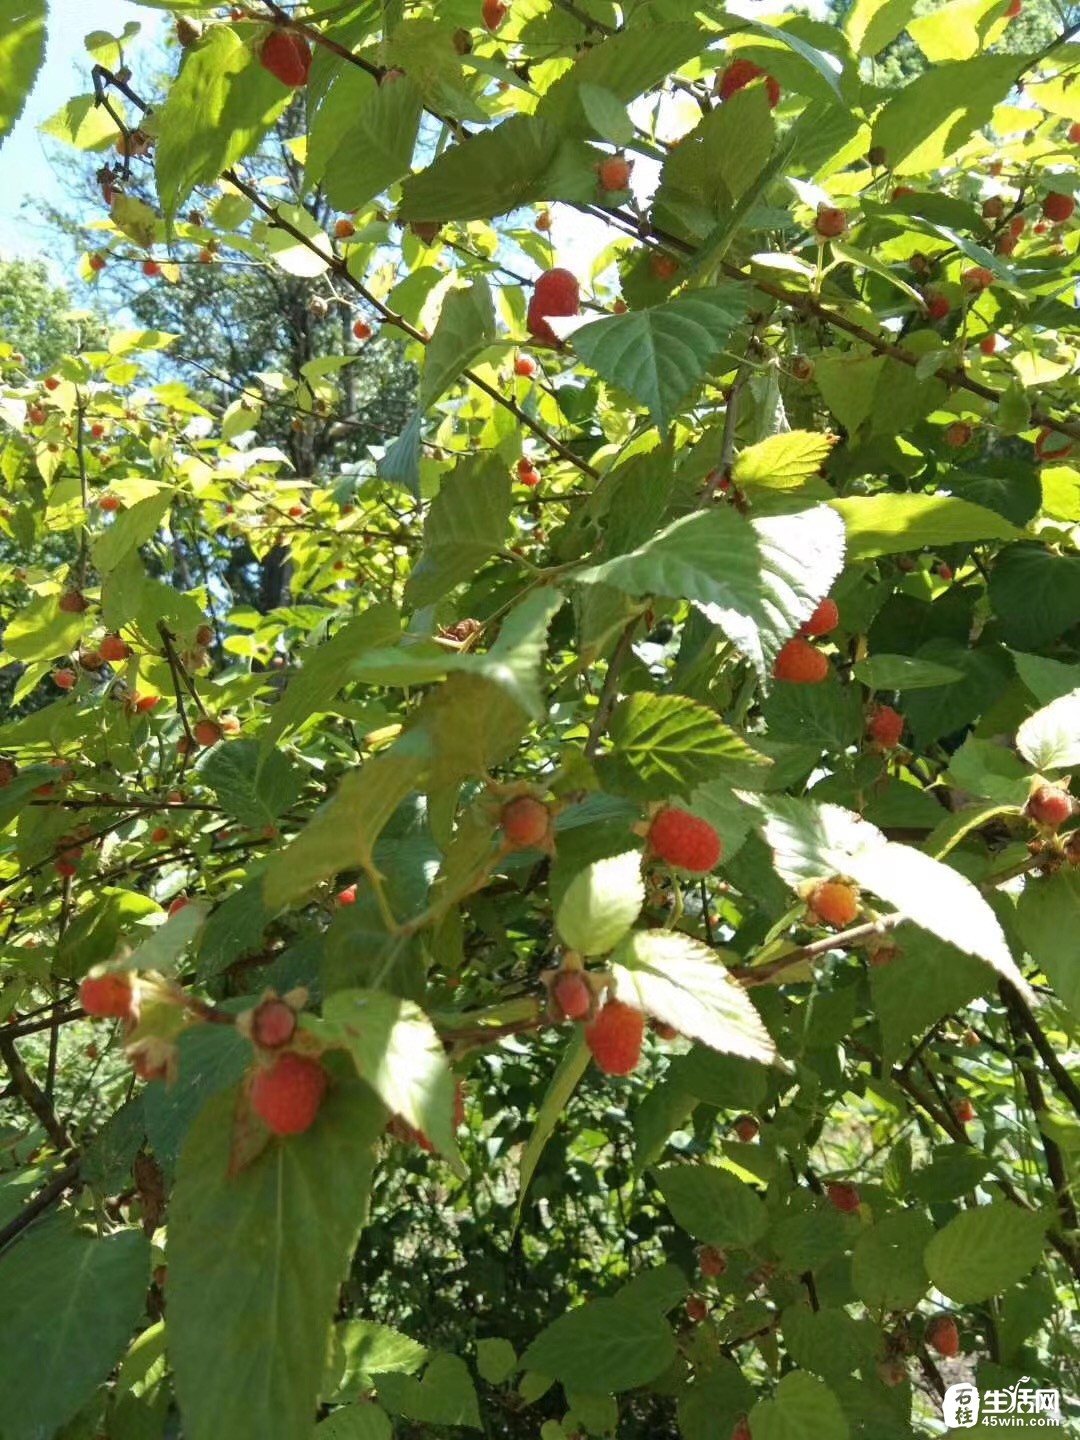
(885,726)
(113,649)
(943,1336)
(958,434)
(287,56)
(64,679)
(712,1262)
(287,1094)
(746,1128)
(843,1197)
(824,619)
(110,996)
(571,995)
(834,902)
(614,173)
(830,222)
(800,663)
(525,823)
(1050,805)
(964,1111)
(207,732)
(556,293)
(615,1037)
(525,366)
(493,13)
(684,841)
(273,1024)
(1057,207)
(741,73)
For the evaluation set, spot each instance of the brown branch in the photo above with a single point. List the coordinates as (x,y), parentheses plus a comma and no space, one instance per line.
(1024,1055)
(1024,1017)
(610,690)
(31,1092)
(41,1202)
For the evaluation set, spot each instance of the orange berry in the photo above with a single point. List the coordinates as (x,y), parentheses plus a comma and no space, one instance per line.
(943,1336)
(160,835)
(684,841)
(958,434)
(362,330)
(571,994)
(713,1262)
(525,822)
(543,220)
(113,649)
(800,663)
(525,366)
(977,278)
(287,56)
(1045,449)
(493,13)
(556,293)
(177,905)
(614,173)
(964,1111)
(663,267)
(824,619)
(207,732)
(287,1095)
(830,222)
(615,1037)
(885,726)
(937,305)
(64,679)
(1057,207)
(988,344)
(843,1197)
(741,73)
(834,902)
(273,1024)
(344,229)
(109,996)
(696,1309)
(346,896)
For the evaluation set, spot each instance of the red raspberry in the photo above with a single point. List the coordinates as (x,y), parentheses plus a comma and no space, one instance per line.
(1074,133)
(994,208)
(937,304)
(945,572)
(988,344)
(746,1128)
(571,994)
(151,269)
(696,1309)
(614,173)
(977,279)
(109,995)
(1050,805)
(741,1429)
(51,382)
(493,13)
(830,222)
(525,365)
(1057,207)
(113,649)
(556,293)
(741,73)
(287,56)
(286,1095)
(800,664)
(1044,448)
(346,896)
(143,703)
(1017,226)
(684,841)
(63,679)
(615,1037)
(825,618)
(964,1111)
(177,905)
(834,902)
(844,1197)
(886,726)
(901,190)
(943,1336)
(73,602)
(208,732)
(160,835)
(713,1262)
(344,229)
(958,434)
(663,267)
(362,330)
(525,822)
(273,1024)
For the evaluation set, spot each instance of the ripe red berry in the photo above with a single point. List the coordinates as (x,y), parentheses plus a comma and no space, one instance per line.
(287,1094)
(571,994)
(741,1429)
(830,222)
(993,208)
(529,477)
(1074,133)
(614,173)
(684,841)
(556,293)
(65,868)
(51,382)
(151,269)
(1050,805)
(36,415)
(741,73)
(143,703)
(525,365)
(1005,245)
(109,504)
(346,896)
(344,229)
(159,835)
(943,1336)
(977,278)
(73,602)
(844,1197)
(111,995)
(713,1262)
(615,1037)
(958,434)
(988,344)
(834,902)
(207,732)
(663,267)
(1057,207)
(97,430)
(746,1128)
(493,13)
(63,679)
(696,1309)
(362,330)
(799,663)
(543,221)
(824,619)
(964,1111)
(273,1024)
(113,649)
(525,822)
(1017,226)
(937,304)
(901,190)
(295,511)
(287,56)
(177,905)
(885,726)
(96,262)
(945,572)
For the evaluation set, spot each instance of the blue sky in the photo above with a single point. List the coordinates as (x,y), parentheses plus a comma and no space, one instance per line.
(25,169)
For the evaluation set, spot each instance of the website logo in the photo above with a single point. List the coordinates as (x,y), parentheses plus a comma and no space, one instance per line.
(962,1406)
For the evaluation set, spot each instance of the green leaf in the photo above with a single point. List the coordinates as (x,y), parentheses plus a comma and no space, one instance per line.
(606,114)
(757,579)
(217,111)
(363,1348)
(1035,594)
(41,630)
(903,672)
(572,1066)
(887,1268)
(872,24)
(713,1205)
(131,528)
(71,1303)
(251,787)
(81,122)
(1049,909)
(718,1398)
(94,934)
(953,32)
(659,355)
(600,904)
(668,745)
(604,1345)
(829,1341)
(887,524)
(803,1408)
(376,144)
(927,980)
(683,983)
(983,1251)
(444,1396)
(718,163)
(141,1398)
(1050,738)
(496,1360)
(467,523)
(22,49)
(934,115)
(342,835)
(307,261)
(782,462)
(398,1053)
(362,1421)
(525,159)
(241,1248)
(466,327)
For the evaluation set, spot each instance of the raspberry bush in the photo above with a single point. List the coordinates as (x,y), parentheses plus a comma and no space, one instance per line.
(591,953)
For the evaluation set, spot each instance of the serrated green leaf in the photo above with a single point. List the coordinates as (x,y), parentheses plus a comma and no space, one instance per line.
(22,50)
(887,524)
(601,903)
(983,1251)
(626,64)
(253,787)
(496,1360)
(803,1408)
(1049,909)
(445,1394)
(466,327)
(666,745)
(375,147)
(603,1345)
(930,118)
(887,1266)
(466,525)
(903,672)
(782,462)
(131,528)
(713,1205)
(1050,739)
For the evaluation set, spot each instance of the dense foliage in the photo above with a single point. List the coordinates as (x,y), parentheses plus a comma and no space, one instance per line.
(544,899)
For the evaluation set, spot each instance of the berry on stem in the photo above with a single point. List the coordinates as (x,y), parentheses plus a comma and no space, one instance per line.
(273,1024)
(746,1128)
(834,902)
(207,732)
(830,222)
(64,679)
(287,1094)
(111,996)
(958,434)
(571,995)
(943,1336)
(741,73)
(713,1262)
(885,726)
(843,1197)
(525,822)
(615,1037)
(1057,207)
(800,663)
(556,293)
(525,366)
(964,1111)
(824,619)
(287,56)
(614,173)
(696,1309)
(1050,805)
(684,841)
(493,13)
